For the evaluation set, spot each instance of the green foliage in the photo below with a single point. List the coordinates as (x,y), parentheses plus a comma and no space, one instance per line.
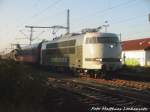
(132,62)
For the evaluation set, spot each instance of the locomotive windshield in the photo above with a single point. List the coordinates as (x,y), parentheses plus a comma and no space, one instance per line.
(102,40)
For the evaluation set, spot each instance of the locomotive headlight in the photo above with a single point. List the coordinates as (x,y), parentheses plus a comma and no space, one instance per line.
(111,46)
(99,59)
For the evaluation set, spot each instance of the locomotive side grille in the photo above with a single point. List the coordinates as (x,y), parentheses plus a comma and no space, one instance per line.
(61,44)
(60,51)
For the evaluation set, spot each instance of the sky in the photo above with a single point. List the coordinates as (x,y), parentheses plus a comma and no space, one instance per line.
(128,17)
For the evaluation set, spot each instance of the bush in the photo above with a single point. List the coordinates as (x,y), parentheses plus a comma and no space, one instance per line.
(20,86)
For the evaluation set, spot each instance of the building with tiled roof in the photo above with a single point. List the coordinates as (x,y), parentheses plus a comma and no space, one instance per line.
(136,52)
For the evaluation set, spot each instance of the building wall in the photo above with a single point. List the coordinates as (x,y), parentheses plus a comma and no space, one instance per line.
(136,57)
(147,57)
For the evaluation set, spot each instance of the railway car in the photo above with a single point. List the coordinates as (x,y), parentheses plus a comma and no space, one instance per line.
(90,52)
(29,54)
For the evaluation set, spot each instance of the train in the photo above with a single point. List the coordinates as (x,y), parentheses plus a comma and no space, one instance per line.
(91,52)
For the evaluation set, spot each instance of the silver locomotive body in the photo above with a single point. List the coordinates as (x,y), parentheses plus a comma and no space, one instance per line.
(89,51)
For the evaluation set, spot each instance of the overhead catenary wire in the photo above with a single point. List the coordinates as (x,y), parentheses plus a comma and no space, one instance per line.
(100,12)
(97,12)
(52,5)
(129,19)
(39,35)
(52,15)
(44,10)
(105,10)
(137,34)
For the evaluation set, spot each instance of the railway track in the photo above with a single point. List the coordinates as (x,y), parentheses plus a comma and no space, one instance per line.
(136,74)
(60,100)
(130,76)
(100,96)
(137,85)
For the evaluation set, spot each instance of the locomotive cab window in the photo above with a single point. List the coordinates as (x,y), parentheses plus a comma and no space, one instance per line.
(94,40)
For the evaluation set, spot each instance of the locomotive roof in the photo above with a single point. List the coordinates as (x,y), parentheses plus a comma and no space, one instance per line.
(76,36)
(30,46)
(65,38)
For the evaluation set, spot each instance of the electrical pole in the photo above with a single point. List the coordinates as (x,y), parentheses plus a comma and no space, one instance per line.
(51,27)
(106,25)
(31,33)
(68,21)
(120,37)
(149,17)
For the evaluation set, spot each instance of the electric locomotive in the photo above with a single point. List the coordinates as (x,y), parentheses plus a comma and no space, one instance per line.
(89,52)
